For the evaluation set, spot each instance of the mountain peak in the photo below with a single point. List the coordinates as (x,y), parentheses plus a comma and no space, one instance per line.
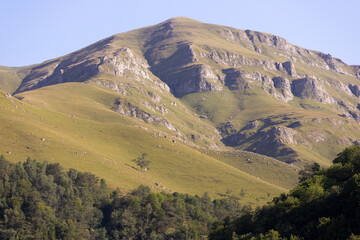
(182,19)
(179,21)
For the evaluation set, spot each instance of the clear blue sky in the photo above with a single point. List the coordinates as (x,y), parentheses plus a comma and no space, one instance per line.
(37,30)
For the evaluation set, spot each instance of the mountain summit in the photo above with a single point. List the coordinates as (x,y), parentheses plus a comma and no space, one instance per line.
(207,86)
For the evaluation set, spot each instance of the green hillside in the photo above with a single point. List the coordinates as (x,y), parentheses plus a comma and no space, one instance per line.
(89,135)
(11,77)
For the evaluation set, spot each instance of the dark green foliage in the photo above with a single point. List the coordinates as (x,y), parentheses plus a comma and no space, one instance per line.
(142,214)
(325,205)
(41,201)
(308,171)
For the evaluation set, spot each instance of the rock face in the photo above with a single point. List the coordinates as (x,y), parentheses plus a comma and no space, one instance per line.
(238,138)
(123,62)
(275,141)
(228,59)
(130,110)
(270,41)
(181,72)
(357,70)
(280,82)
(310,88)
(281,89)
(237,79)
(196,78)
(355,90)
(288,67)
(332,62)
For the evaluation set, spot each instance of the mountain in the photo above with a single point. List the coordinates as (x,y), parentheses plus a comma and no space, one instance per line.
(206,102)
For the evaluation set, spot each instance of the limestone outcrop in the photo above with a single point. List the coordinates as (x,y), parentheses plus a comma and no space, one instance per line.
(354,90)
(238,79)
(131,110)
(310,88)
(281,89)
(275,142)
(195,78)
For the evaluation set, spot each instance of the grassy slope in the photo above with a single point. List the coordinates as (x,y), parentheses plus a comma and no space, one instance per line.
(89,136)
(260,166)
(10,78)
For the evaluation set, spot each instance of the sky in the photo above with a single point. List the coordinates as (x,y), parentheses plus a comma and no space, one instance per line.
(38,30)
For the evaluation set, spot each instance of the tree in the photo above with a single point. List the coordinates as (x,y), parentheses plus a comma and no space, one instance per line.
(142,162)
(308,171)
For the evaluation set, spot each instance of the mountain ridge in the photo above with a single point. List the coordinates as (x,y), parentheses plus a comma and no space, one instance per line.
(179,22)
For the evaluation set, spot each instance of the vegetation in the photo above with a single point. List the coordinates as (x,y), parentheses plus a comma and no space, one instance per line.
(308,171)
(41,201)
(142,162)
(325,205)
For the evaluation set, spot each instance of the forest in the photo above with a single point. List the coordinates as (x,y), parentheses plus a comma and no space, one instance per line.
(324,205)
(39,200)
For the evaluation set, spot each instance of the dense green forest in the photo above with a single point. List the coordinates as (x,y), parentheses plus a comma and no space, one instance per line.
(39,200)
(324,205)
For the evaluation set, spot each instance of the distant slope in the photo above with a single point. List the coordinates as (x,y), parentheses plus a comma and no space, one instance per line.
(10,78)
(260,166)
(88,135)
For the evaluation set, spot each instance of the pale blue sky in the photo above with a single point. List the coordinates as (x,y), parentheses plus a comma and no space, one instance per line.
(37,30)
